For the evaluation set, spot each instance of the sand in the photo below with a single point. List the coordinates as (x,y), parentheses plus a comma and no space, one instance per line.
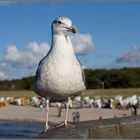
(30,113)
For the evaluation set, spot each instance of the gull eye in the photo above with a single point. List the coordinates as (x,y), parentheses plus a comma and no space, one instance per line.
(57,22)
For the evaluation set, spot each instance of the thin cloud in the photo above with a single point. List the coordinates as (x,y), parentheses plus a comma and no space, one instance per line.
(28,58)
(82,43)
(16,63)
(130,57)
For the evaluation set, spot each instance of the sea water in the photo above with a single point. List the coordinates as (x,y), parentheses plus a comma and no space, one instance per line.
(20,129)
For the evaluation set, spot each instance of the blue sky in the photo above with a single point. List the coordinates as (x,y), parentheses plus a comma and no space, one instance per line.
(108,34)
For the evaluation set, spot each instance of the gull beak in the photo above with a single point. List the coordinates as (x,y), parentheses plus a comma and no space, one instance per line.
(72,29)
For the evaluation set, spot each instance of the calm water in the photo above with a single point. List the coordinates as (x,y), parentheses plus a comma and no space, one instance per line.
(20,129)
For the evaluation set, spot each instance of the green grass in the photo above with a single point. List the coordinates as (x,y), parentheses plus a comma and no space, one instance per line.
(112,92)
(22,93)
(91,93)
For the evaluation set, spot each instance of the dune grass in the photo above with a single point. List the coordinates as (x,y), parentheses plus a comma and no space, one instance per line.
(91,93)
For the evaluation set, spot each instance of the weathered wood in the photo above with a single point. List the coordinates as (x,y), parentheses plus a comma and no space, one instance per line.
(124,128)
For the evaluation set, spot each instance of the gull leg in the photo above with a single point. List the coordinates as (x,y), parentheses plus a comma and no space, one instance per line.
(66,115)
(65,123)
(47,114)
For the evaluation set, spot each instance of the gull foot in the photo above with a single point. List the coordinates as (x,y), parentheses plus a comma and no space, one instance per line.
(45,130)
(65,124)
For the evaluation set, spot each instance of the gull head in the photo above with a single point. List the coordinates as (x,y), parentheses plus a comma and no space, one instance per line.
(62,26)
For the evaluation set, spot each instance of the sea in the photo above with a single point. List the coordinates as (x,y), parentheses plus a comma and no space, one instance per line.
(20,129)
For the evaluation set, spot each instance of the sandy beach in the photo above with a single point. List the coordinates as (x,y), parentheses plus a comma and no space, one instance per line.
(30,113)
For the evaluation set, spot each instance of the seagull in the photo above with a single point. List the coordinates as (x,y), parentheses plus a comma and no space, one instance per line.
(59,74)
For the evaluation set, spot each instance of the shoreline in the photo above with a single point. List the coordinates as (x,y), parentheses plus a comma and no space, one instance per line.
(22,120)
